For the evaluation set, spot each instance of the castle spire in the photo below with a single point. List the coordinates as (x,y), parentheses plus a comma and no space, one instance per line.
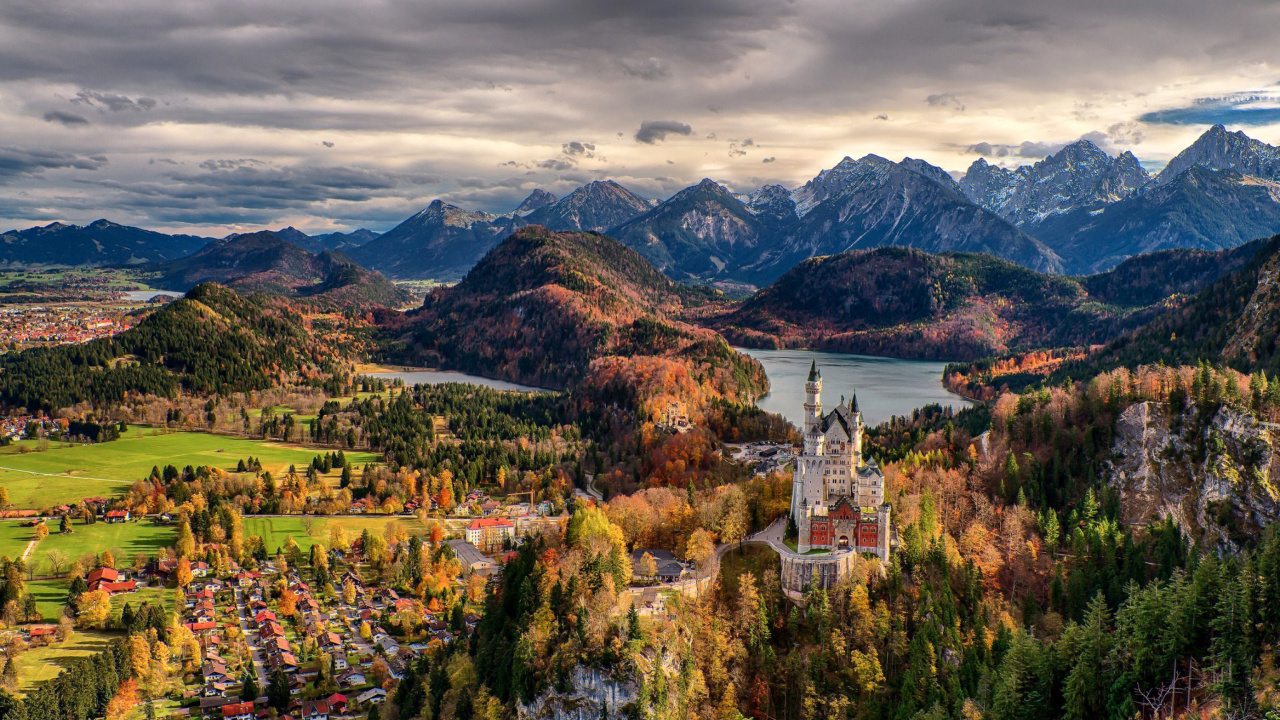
(853,403)
(814,374)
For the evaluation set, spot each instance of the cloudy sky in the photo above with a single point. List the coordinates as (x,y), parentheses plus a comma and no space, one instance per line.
(218,115)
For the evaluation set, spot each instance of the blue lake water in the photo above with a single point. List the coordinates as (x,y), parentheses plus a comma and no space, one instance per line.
(885,386)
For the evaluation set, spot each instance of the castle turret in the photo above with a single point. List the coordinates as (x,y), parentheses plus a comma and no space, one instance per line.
(813,398)
(858,429)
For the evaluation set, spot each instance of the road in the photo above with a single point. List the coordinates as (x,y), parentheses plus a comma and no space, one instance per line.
(255,652)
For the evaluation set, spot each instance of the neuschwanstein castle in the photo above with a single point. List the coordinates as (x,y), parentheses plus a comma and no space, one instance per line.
(837,496)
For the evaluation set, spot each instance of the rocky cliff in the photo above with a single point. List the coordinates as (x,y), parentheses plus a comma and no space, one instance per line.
(589,692)
(1216,478)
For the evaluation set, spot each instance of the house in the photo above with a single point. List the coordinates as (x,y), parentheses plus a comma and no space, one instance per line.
(372,695)
(214,672)
(337,703)
(202,628)
(200,569)
(238,711)
(117,516)
(340,661)
(666,566)
(315,710)
(215,689)
(351,678)
(209,704)
(489,534)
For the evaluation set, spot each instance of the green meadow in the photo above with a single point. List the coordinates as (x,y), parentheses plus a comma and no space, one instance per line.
(311,529)
(122,540)
(72,472)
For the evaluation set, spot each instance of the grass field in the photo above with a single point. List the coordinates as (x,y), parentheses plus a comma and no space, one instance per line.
(75,472)
(14,539)
(274,530)
(124,540)
(41,664)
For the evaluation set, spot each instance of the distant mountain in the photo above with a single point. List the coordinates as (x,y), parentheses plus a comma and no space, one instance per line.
(1200,208)
(340,241)
(704,231)
(537,200)
(319,243)
(99,243)
(1079,175)
(874,202)
(264,262)
(1218,149)
(959,306)
(442,242)
(596,206)
(556,309)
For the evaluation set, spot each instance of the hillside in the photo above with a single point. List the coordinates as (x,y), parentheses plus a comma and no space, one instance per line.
(908,303)
(99,243)
(263,262)
(557,309)
(211,341)
(1235,321)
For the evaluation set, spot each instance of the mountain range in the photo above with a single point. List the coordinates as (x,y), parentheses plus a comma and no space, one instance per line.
(1078,211)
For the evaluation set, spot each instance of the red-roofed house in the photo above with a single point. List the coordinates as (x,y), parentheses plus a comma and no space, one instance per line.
(117,516)
(238,711)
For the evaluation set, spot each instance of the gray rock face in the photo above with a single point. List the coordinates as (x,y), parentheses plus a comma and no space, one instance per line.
(537,200)
(1079,175)
(590,692)
(1232,490)
(1218,149)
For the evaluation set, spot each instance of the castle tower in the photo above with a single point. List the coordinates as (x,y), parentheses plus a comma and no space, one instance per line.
(812,398)
(858,428)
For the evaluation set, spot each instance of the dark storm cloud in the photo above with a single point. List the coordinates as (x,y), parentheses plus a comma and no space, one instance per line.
(945,100)
(1027,149)
(18,161)
(586,150)
(1236,109)
(65,118)
(648,69)
(112,101)
(652,131)
(530,73)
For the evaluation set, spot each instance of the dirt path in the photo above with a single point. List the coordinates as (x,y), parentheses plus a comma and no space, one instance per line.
(64,475)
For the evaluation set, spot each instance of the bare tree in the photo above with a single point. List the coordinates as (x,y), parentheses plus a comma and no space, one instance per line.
(57,561)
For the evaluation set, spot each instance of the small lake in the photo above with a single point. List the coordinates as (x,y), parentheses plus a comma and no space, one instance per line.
(439,377)
(145,295)
(885,386)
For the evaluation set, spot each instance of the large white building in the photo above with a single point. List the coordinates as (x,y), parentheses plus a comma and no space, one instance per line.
(837,495)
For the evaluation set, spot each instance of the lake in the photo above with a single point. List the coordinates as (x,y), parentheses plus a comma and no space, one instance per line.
(145,295)
(885,386)
(437,377)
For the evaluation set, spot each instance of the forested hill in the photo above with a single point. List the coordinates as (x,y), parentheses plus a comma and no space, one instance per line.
(550,309)
(212,341)
(1235,321)
(265,262)
(908,303)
